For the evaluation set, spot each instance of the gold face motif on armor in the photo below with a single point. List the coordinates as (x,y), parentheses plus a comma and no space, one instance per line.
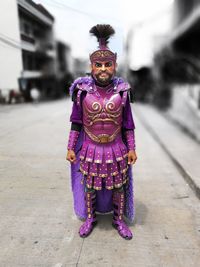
(110,110)
(96,107)
(107,113)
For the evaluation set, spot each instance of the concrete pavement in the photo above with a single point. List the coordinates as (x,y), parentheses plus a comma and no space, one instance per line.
(183,150)
(38,226)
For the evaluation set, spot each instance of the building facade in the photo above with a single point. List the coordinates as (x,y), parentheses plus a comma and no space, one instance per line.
(38,49)
(32,58)
(178,65)
(10,48)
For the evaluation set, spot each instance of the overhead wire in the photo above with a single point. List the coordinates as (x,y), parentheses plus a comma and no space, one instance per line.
(17,44)
(9,43)
(60,5)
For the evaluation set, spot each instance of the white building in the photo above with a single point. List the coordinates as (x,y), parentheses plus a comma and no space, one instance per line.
(10,47)
(30,56)
(38,49)
(145,38)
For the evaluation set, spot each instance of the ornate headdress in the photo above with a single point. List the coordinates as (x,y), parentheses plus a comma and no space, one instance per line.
(103,32)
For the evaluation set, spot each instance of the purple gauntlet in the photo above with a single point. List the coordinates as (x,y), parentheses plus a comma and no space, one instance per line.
(73,137)
(130,139)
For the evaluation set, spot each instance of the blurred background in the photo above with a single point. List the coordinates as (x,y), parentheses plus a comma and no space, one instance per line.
(44,45)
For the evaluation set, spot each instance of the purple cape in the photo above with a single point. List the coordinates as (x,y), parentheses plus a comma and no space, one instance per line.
(104,196)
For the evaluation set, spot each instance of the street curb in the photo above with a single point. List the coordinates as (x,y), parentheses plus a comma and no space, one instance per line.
(183,128)
(177,164)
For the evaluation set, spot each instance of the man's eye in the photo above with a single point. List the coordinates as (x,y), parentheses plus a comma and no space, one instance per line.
(108,64)
(98,65)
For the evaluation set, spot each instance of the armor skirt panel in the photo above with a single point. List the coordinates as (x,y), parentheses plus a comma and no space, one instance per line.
(104,164)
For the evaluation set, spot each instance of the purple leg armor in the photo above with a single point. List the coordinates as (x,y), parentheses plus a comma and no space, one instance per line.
(87,227)
(118,222)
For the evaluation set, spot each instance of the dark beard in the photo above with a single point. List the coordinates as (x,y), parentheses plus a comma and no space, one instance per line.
(105,80)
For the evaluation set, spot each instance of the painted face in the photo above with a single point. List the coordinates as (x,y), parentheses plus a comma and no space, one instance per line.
(103,71)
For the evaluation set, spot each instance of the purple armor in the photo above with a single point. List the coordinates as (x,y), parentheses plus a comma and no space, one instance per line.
(83,87)
(102,141)
(73,138)
(87,227)
(102,114)
(103,154)
(118,223)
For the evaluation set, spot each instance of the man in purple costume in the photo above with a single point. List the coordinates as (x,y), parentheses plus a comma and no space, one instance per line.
(101,146)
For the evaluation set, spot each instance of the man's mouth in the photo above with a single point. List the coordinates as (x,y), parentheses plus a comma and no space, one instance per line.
(104,74)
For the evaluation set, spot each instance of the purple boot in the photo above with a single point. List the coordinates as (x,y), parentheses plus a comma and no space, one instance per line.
(87,227)
(118,222)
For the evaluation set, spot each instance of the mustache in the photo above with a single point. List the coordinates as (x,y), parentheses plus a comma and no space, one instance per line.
(104,71)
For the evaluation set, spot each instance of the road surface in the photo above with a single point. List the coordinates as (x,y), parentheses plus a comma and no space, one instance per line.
(38,226)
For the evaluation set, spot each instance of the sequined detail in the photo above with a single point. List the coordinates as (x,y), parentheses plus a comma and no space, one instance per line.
(73,137)
(130,138)
(108,163)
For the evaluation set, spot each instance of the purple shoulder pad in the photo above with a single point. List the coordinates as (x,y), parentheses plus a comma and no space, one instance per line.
(81,83)
(122,87)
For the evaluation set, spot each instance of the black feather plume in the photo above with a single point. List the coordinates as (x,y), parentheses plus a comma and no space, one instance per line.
(102,31)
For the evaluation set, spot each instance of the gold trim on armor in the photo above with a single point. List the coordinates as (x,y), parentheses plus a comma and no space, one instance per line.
(109,161)
(97,188)
(97,161)
(96,109)
(110,109)
(101,54)
(83,172)
(118,185)
(93,173)
(109,187)
(124,170)
(102,138)
(106,119)
(114,173)
(103,175)
(88,159)
(119,159)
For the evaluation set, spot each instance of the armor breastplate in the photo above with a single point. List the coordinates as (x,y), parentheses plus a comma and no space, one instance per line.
(102,115)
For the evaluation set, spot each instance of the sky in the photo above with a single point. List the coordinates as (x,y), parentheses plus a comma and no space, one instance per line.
(74,18)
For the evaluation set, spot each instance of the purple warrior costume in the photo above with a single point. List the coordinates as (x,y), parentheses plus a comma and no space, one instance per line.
(101,142)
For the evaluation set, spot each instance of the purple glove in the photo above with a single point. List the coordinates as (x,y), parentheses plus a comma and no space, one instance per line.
(130,139)
(73,137)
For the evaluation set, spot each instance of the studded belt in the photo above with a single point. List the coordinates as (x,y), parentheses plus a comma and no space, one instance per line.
(102,138)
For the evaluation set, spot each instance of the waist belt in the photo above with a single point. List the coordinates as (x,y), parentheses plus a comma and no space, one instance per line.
(102,138)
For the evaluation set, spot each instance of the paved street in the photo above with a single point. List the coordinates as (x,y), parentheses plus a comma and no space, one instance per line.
(38,226)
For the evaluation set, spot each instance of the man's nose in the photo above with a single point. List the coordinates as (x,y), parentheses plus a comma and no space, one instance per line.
(103,67)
